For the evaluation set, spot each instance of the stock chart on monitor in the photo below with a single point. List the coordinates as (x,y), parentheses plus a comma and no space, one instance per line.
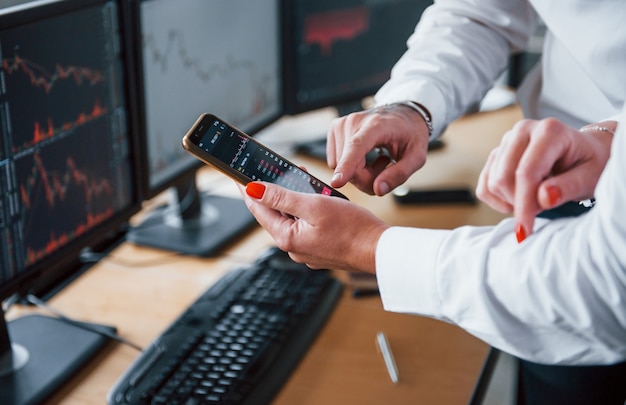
(63,164)
(205,56)
(342,51)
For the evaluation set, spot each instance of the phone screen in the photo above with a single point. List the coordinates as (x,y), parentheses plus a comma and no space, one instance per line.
(253,160)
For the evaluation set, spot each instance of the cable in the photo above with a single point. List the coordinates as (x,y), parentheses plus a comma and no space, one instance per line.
(92,328)
(89,256)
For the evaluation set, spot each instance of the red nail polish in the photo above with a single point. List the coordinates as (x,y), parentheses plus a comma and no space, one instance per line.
(520,233)
(255,190)
(554,195)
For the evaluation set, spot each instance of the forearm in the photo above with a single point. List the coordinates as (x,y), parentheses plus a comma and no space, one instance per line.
(553,312)
(556,298)
(455,55)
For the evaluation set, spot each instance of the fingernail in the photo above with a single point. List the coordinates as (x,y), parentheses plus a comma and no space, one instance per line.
(520,233)
(384,188)
(336,177)
(255,190)
(554,195)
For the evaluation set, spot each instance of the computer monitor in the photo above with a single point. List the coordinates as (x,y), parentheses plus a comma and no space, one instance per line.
(198,56)
(339,52)
(67,175)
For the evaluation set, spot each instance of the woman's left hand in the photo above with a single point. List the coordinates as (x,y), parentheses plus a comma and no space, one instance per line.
(319,230)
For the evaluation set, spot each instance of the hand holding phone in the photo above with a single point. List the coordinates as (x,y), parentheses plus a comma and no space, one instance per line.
(236,154)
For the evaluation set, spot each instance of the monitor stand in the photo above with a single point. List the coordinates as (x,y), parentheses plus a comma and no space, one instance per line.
(197,224)
(38,354)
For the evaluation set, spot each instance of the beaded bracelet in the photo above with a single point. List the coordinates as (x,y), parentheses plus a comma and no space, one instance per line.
(593,127)
(599,128)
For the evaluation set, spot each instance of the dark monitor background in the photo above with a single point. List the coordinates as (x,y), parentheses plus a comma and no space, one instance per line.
(339,52)
(67,174)
(197,56)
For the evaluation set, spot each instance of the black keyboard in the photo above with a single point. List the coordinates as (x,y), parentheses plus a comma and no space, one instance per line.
(238,342)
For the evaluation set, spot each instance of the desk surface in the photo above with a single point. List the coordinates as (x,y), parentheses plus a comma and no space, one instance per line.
(141,291)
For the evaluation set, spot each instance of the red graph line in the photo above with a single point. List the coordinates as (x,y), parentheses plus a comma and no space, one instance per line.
(326,28)
(41,133)
(55,186)
(55,241)
(40,77)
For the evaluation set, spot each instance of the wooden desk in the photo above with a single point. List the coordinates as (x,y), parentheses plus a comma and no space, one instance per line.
(141,290)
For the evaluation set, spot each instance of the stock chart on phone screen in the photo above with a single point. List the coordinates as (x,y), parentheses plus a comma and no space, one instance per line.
(63,167)
(202,56)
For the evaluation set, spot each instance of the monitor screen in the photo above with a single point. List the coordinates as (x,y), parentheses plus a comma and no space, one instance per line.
(67,171)
(339,52)
(202,56)
(197,56)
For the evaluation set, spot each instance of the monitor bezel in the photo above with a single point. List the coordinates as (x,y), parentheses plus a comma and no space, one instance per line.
(66,261)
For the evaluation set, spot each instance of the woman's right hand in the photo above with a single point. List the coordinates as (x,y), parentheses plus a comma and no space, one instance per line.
(541,164)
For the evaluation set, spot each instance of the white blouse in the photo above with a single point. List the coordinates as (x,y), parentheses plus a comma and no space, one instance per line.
(559,297)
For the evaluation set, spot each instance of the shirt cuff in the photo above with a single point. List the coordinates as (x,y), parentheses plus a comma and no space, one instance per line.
(408,281)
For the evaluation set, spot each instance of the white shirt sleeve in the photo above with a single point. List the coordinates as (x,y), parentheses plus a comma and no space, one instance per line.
(559,297)
(457,52)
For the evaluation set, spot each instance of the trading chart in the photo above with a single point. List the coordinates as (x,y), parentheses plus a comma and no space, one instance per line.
(202,56)
(60,112)
(345,46)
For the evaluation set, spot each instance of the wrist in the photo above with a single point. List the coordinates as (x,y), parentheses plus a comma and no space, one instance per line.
(604,126)
(422,111)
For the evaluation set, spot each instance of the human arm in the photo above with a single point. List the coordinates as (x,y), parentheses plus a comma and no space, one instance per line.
(540,165)
(456,54)
(321,231)
(558,298)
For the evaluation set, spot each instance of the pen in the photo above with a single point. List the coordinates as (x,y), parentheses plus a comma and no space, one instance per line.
(385,349)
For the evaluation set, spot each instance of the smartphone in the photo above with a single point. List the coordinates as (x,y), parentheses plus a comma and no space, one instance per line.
(236,154)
